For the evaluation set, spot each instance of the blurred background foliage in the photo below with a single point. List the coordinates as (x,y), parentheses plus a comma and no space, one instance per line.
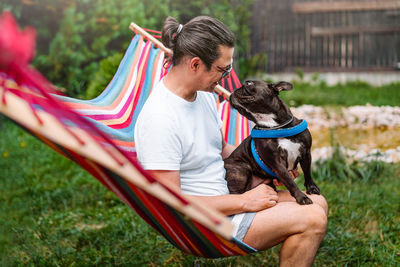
(80,42)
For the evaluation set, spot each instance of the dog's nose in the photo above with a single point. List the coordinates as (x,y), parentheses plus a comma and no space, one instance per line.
(249,83)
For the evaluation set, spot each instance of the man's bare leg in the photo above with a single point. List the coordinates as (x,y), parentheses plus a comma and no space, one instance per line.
(284,196)
(301,228)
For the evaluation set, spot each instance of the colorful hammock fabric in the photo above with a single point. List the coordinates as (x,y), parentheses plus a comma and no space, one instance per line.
(116,110)
(98,135)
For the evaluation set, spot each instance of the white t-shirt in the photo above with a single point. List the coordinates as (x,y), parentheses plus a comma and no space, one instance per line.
(174,134)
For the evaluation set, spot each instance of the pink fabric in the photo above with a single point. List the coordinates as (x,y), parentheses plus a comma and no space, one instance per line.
(16,47)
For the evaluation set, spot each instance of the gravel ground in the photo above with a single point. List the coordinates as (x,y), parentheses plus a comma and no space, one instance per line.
(389,156)
(355,117)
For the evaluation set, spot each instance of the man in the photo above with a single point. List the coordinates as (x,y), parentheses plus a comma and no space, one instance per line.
(179,140)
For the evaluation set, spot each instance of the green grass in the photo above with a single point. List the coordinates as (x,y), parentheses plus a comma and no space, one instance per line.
(52,213)
(349,94)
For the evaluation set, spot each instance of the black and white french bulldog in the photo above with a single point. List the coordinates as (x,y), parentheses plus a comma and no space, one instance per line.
(259,102)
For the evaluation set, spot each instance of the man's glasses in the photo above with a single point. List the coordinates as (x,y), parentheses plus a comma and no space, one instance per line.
(225,71)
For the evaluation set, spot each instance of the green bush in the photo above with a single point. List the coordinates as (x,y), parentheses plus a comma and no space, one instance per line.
(103,76)
(74,36)
(249,67)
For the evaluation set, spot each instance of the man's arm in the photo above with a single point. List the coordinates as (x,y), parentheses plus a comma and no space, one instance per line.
(259,198)
(227,149)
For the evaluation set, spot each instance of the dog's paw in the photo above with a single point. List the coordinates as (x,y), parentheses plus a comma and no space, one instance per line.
(304,200)
(313,189)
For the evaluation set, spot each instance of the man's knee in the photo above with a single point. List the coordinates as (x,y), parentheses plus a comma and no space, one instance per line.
(317,219)
(321,201)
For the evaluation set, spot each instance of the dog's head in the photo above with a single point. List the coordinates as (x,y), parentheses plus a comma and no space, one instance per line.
(259,102)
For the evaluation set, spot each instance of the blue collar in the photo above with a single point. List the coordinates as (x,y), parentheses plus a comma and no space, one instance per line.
(259,160)
(277,133)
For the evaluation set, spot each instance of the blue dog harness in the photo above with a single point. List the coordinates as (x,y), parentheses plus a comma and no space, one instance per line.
(275,133)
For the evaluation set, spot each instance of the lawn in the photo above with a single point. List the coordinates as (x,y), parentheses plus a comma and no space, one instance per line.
(53,213)
(349,94)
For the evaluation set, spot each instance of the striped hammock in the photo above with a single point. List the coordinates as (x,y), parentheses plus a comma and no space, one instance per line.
(98,135)
(116,110)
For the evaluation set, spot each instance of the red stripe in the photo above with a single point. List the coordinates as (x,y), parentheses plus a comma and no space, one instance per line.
(139,86)
(227,121)
(230,87)
(235,79)
(211,237)
(154,31)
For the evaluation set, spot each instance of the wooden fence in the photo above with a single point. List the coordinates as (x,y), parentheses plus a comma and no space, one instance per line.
(327,35)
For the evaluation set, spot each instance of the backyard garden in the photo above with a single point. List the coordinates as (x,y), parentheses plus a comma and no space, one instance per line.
(53,213)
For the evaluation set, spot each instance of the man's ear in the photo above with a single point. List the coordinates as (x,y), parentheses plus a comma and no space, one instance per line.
(282,86)
(194,63)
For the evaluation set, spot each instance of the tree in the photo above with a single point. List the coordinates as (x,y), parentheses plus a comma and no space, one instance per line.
(75,35)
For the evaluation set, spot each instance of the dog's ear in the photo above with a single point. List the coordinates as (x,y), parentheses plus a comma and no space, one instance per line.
(282,86)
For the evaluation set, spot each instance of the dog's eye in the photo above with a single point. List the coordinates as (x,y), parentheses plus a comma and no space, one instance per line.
(250,90)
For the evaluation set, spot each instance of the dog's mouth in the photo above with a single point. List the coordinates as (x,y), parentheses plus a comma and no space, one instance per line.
(235,99)
(240,100)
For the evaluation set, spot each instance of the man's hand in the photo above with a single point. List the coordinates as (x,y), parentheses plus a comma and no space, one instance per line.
(293,173)
(259,198)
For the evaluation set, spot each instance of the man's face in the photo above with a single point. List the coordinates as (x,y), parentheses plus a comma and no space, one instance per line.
(219,68)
